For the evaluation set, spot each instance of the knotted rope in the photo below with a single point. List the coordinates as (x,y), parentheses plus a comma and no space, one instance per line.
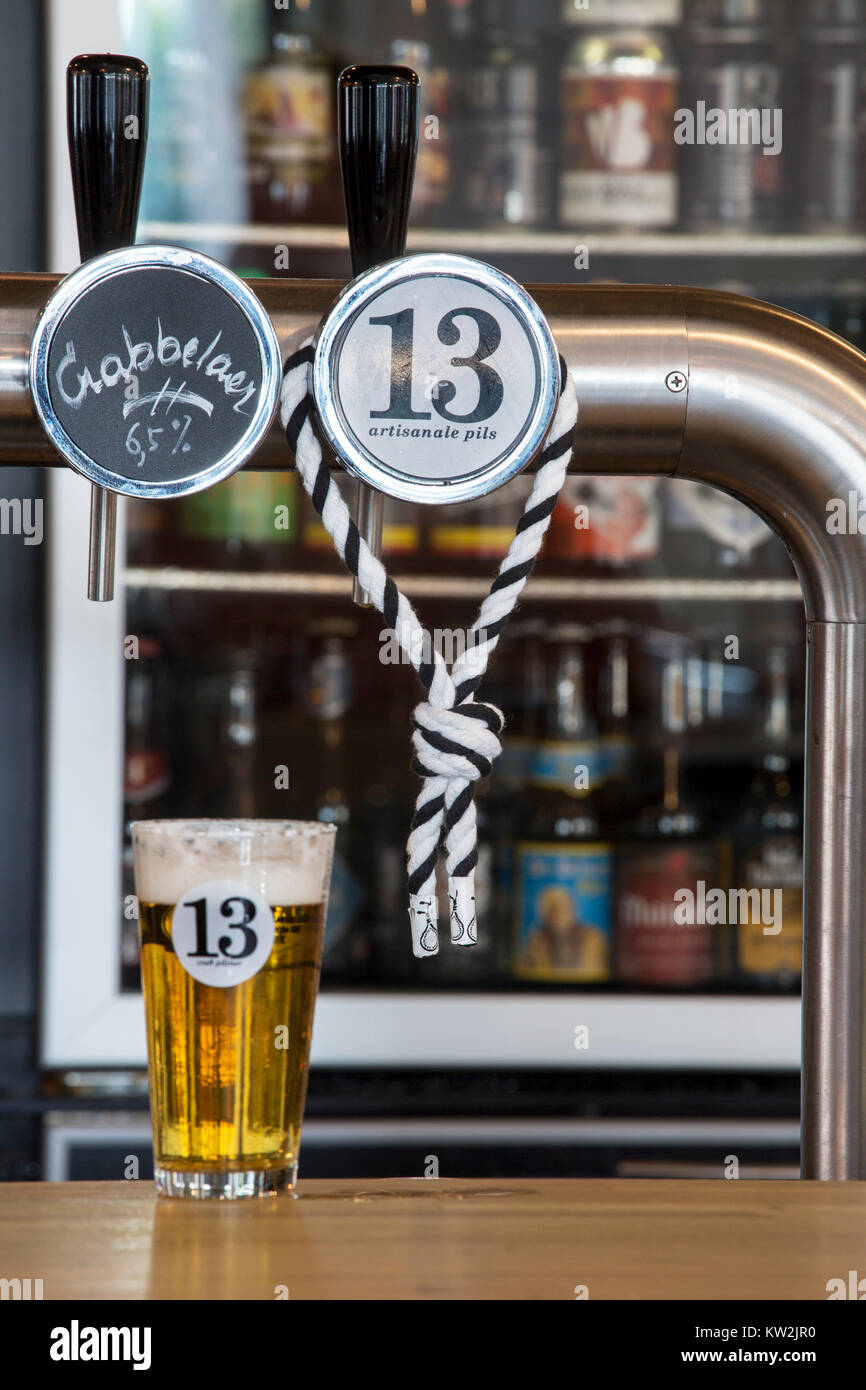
(456,737)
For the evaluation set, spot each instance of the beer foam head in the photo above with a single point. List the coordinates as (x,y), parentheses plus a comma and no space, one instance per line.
(287,862)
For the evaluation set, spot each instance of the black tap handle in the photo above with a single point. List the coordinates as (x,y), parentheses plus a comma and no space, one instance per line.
(378,125)
(106,108)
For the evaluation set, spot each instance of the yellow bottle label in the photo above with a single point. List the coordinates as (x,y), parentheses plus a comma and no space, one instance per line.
(471,540)
(769,943)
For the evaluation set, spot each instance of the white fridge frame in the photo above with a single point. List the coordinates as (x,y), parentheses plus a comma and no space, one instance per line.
(86,1020)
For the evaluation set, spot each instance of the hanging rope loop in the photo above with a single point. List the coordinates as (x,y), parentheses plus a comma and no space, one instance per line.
(455,738)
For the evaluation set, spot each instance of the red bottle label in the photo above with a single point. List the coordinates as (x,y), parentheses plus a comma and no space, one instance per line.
(617,160)
(653,947)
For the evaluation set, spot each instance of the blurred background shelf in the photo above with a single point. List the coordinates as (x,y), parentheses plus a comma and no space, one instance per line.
(438,586)
(486,242)
(738,260)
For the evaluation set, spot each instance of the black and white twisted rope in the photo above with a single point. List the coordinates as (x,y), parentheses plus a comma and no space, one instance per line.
(456,737)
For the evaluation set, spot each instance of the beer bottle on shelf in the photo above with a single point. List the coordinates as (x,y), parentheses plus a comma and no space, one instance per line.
(516,684)
(735,65)
(382,824)
(247,522)
(416,44)
(147,762)
(667,867)
(239,739)
(619,94)
(288,103)
(329,706)
(768,865)
(831,80)
(521,694)
(475,535)
(507,164)
(563,865)
(615,718)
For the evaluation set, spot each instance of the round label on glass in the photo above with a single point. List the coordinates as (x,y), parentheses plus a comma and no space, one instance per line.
(435,378)
(222,932)
(155,371)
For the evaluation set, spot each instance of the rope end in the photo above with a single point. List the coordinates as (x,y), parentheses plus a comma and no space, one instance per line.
(425,929)
(461,896)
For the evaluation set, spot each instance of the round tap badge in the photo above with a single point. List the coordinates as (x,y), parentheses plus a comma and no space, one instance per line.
(155,371)
(435,378)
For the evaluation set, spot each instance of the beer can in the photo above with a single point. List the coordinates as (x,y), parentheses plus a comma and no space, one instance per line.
(510,111)
(831,77)
(730,124)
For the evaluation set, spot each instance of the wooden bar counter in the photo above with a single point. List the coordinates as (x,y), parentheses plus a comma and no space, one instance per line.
(439,1239)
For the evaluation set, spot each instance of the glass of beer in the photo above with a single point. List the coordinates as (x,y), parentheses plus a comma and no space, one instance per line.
(231,916)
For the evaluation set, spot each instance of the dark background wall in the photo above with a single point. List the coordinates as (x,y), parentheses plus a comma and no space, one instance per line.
(22,247)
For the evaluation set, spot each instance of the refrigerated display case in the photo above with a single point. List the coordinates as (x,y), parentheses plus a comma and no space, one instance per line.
(253,659)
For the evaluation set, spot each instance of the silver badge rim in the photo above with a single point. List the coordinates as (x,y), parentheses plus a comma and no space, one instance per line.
(106,267)
(359,461)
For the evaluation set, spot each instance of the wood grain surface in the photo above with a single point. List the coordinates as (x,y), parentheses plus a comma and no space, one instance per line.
(439,1239)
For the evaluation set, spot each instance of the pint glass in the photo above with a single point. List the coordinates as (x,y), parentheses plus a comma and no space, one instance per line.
(231,915)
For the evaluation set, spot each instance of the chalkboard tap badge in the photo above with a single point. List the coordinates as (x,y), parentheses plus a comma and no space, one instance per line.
(435,379)
(155,371)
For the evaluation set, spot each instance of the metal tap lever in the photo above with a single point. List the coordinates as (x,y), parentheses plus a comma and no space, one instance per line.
(378,136)
(106,108)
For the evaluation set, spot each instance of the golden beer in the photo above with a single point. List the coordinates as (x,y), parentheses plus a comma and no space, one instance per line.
(228,1063)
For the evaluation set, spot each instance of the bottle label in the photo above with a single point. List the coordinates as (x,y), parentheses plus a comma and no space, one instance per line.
(146,774)
(697,507)
(482,541)
(640,12)
(288,114)
(563,911)
(484,527)
(329,689)
(652,946)
(397,539)
(613,519)
(773,949)
(246,507)
(617,150)
(575,768)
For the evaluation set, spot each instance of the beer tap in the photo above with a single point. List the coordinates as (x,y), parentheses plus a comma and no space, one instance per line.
(107,100)
(378,138)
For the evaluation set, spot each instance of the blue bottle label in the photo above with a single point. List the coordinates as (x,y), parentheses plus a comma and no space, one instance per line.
(564,908)
(575,768)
